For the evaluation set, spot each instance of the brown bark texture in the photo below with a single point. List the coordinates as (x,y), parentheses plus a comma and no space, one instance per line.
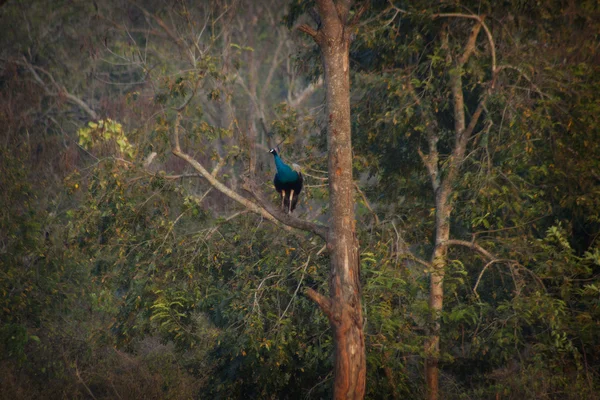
(343,307)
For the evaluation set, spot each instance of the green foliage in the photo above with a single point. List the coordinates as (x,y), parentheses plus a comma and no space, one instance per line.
(142,282)
(105,132)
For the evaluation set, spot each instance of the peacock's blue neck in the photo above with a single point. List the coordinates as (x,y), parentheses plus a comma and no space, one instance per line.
(284,172)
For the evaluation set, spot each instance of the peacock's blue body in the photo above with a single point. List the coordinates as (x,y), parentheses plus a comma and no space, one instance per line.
(288,183)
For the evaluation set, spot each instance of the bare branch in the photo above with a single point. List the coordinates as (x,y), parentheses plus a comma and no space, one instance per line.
(304,94)
(359,13)
(218,167)
(87,388)
(222,188)
(274,64)
(472,245)
(176,132)
(492,260)
(410,256)
(481,275)
(265,209)
(219,223)
(485,28)
(252,96)
(477,18)
(323,302)
(366,203)
(282,217)
(469,130)
(80,103)
(309,31)
(174,177)
(524,75)
(178,41)
(61,90)
(296,291)
(470,46)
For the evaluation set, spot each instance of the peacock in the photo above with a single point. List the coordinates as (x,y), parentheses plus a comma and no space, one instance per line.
(288,182)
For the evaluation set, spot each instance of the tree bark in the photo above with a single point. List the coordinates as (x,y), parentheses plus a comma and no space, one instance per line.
(343,307)
(442,188)
(436,288)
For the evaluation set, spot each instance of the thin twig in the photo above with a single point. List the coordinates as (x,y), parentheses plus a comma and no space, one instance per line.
(87,388)
(296,291)
(366,203)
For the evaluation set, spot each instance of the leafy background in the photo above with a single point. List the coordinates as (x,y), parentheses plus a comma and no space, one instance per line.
(121,278)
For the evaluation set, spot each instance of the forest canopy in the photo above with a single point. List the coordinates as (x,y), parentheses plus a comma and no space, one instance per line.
(144,252)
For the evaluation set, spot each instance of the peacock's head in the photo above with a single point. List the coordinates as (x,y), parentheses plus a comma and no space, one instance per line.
(273,151)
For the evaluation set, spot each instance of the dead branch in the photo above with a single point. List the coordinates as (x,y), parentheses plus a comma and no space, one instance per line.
(60,90)
(366,203)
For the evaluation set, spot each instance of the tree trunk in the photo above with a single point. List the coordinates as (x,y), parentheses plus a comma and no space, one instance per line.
(436,290)
(443,205)
(350,364)
(343,308)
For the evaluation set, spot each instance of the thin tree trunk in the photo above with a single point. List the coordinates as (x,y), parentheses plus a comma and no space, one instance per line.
(443,189)
(436,289)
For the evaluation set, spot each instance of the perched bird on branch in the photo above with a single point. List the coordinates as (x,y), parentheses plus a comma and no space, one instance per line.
(288,182)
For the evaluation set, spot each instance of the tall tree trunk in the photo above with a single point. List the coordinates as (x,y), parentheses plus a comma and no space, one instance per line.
(350,365)
(343,308)
(443,205)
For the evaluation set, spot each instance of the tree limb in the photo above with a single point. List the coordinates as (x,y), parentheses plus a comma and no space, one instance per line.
(469,130)
(343,9)
(366,203)
(265,209)
(286,219)
(492,259)
(305,93)
(410,256)
(274,64)
(61,90)
(470,46)
(484,26)
(472,245)
(359,13)
(323,302)
(524,75)
(178,41)
(309,31)
(222,188)
(492,262)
